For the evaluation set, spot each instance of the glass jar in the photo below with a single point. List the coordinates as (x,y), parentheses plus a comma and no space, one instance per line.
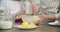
(18,20)
(6,22)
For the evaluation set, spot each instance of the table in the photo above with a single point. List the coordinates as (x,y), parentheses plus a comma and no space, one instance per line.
(43,27)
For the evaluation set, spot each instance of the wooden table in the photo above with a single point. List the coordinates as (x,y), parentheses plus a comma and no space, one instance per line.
(44,27)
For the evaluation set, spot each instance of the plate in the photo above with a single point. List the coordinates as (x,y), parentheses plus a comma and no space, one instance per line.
(53,24)
(20,27)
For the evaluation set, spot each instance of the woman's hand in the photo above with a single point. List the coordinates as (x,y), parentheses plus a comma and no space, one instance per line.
(43,16)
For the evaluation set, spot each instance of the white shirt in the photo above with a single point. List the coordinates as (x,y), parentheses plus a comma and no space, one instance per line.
(12,6)
(50,3)
(53,4)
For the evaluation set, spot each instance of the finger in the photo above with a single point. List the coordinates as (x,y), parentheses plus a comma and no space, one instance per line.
(35,10)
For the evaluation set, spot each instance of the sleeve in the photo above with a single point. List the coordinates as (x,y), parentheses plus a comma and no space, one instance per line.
(57,16)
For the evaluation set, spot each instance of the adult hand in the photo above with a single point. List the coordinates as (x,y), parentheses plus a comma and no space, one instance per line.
(43,16)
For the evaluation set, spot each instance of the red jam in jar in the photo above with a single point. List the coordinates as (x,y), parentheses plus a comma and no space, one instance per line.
(18,20)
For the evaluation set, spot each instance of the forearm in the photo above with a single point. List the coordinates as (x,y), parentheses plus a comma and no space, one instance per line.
(55,16)
(51,17)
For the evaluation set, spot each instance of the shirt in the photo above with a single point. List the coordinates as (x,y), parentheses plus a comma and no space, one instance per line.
(12,6)
(52,4)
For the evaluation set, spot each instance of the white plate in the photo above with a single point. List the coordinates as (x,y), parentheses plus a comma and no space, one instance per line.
(20,26)
(52,23)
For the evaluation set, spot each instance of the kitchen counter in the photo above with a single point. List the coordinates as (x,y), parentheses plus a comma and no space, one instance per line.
(43,27)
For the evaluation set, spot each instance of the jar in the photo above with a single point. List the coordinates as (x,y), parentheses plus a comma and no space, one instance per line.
(18,20)
(6,22)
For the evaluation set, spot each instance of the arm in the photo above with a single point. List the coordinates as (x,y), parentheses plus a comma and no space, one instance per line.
(51,17)
(55,16)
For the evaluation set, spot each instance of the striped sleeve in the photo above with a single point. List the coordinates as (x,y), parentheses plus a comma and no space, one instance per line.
(57,16)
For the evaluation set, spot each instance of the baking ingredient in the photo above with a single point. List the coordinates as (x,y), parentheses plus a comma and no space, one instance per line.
(31,25)
(28,25)
(25,24)
(6,24)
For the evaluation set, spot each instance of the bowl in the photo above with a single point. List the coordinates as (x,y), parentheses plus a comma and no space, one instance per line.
(30,18)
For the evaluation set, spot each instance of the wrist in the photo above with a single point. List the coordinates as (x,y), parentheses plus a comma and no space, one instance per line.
(51,17)
(47,17)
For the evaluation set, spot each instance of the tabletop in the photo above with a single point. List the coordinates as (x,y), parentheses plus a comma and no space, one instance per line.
(43,27)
